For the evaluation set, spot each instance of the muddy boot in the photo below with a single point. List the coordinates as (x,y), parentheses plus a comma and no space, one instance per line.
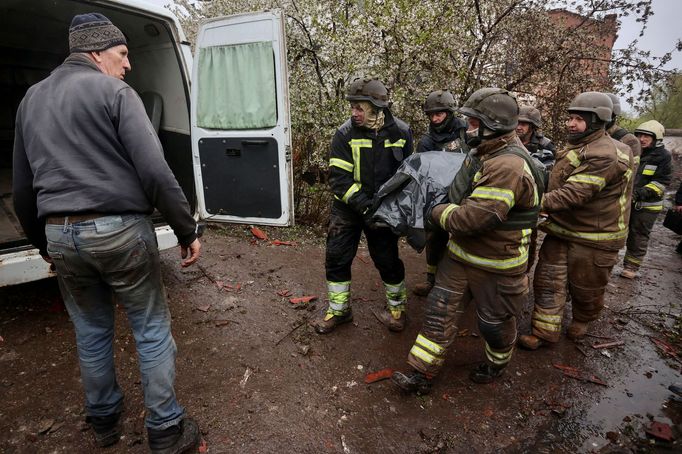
(423,288)
(414,382)
(628,273)
(576,330)
(530,342)
(485,373)
(394,320)
(107,429)
(327,321)
(181,438)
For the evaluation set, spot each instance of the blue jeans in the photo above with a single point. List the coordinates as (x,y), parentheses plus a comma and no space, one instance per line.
(108,260)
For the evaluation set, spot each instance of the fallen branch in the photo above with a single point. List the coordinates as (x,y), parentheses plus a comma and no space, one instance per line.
(576,373)
(290,332)
(608,345)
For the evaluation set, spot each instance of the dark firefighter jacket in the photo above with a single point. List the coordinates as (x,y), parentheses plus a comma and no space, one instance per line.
(454,139)
(653,175)
(361,160)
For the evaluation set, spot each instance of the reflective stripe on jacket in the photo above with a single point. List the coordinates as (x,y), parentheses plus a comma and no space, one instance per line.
(361,160)
(653,175)
(589,191)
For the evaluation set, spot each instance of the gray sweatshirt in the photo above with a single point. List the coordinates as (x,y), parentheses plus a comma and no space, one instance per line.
(84,144)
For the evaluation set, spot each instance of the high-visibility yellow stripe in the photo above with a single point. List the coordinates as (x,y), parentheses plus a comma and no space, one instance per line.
(477,176)
(636,160)
(429,345)
(355,146)
(556,319)
(425,356)
(400,143)
(499,264)
(653,208)
(546,326)
(431,269)
(492,193)
(355,187)
(656,187)
(338,286)
(588,179)
(498,358)
(648,172)
(591,236)
(573,158)
(341,164)
(631,259)
(445,215)
(623,157)
(623,199)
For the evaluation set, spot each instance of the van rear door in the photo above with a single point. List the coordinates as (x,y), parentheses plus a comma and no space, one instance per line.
(240,120)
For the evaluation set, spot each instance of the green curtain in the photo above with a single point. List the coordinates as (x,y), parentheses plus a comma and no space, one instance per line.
(237,87)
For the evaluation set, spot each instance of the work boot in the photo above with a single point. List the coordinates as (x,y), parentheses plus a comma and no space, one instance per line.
(107,429)
(423,288)
(530,342)
(177,439)
(415,382)
(628,273)
(576,330)
(327,321)
(394,320)
(485,373)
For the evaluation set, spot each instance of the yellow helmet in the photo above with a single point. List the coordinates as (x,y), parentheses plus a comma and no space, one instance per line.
(652,128)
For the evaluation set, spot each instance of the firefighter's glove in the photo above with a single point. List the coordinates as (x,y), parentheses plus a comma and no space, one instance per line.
(642,195)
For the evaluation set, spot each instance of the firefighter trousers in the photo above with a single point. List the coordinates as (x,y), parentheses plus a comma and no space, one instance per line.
(566,267)
(498,299)
(343,237)
(641,224)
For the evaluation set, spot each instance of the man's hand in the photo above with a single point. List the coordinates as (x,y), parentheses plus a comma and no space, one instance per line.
(678,208)
(194,252)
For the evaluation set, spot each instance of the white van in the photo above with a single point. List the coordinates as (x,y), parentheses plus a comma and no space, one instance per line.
(227,139)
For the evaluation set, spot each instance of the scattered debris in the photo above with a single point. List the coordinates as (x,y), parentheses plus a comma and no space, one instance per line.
(606,353)
(258,233)
(576,373)
(247,373)
(303,299)
(660,430)
(579,348)
(203,447)
(203,307)
(362,259)
(608,345)
(598,337)
(666,348)
(224,322)
(351,384)
(284,292)
(45,425)
(463,333)
(346,450)
(379,375)
(297,326)
(283,243)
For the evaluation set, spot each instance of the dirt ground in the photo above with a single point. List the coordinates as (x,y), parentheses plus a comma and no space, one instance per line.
(259,380)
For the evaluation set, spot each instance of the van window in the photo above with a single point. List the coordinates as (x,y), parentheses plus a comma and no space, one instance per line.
(237,87)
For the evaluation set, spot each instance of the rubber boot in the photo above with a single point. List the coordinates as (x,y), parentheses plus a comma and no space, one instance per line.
(530,342)
(394,320)
(486,373)
(176,439)
(414,382)
(107,429)
(327,321)
(423,288)
(628,273)
(576,330)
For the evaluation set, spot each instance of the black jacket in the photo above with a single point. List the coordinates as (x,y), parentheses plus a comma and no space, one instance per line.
(653,174)
(361,160)
(542,148)
(84,144)
(452,139)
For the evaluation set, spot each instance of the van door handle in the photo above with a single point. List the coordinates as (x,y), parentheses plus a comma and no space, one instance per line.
(254,142)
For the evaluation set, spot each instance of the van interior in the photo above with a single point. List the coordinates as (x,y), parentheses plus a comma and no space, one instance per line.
(34,41)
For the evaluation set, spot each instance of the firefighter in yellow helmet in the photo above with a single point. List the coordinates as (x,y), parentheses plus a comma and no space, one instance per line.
(653,175)
(588,204)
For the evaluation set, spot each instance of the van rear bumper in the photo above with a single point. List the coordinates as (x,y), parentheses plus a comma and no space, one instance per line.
(27,266)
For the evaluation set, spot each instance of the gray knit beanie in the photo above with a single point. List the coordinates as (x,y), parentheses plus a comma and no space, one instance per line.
(92,32)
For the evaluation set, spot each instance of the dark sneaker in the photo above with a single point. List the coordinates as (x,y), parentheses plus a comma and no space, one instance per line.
(485,373)
(530,342)
(177,439)
(107,429)
(415,382)
(326,322)
(393,320)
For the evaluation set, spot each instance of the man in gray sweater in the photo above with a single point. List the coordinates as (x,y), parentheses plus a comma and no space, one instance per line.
(88,172)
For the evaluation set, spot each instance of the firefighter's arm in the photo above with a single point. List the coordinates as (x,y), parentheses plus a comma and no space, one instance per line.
(494,194)
(341,176)
(655,188)
(586,181)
